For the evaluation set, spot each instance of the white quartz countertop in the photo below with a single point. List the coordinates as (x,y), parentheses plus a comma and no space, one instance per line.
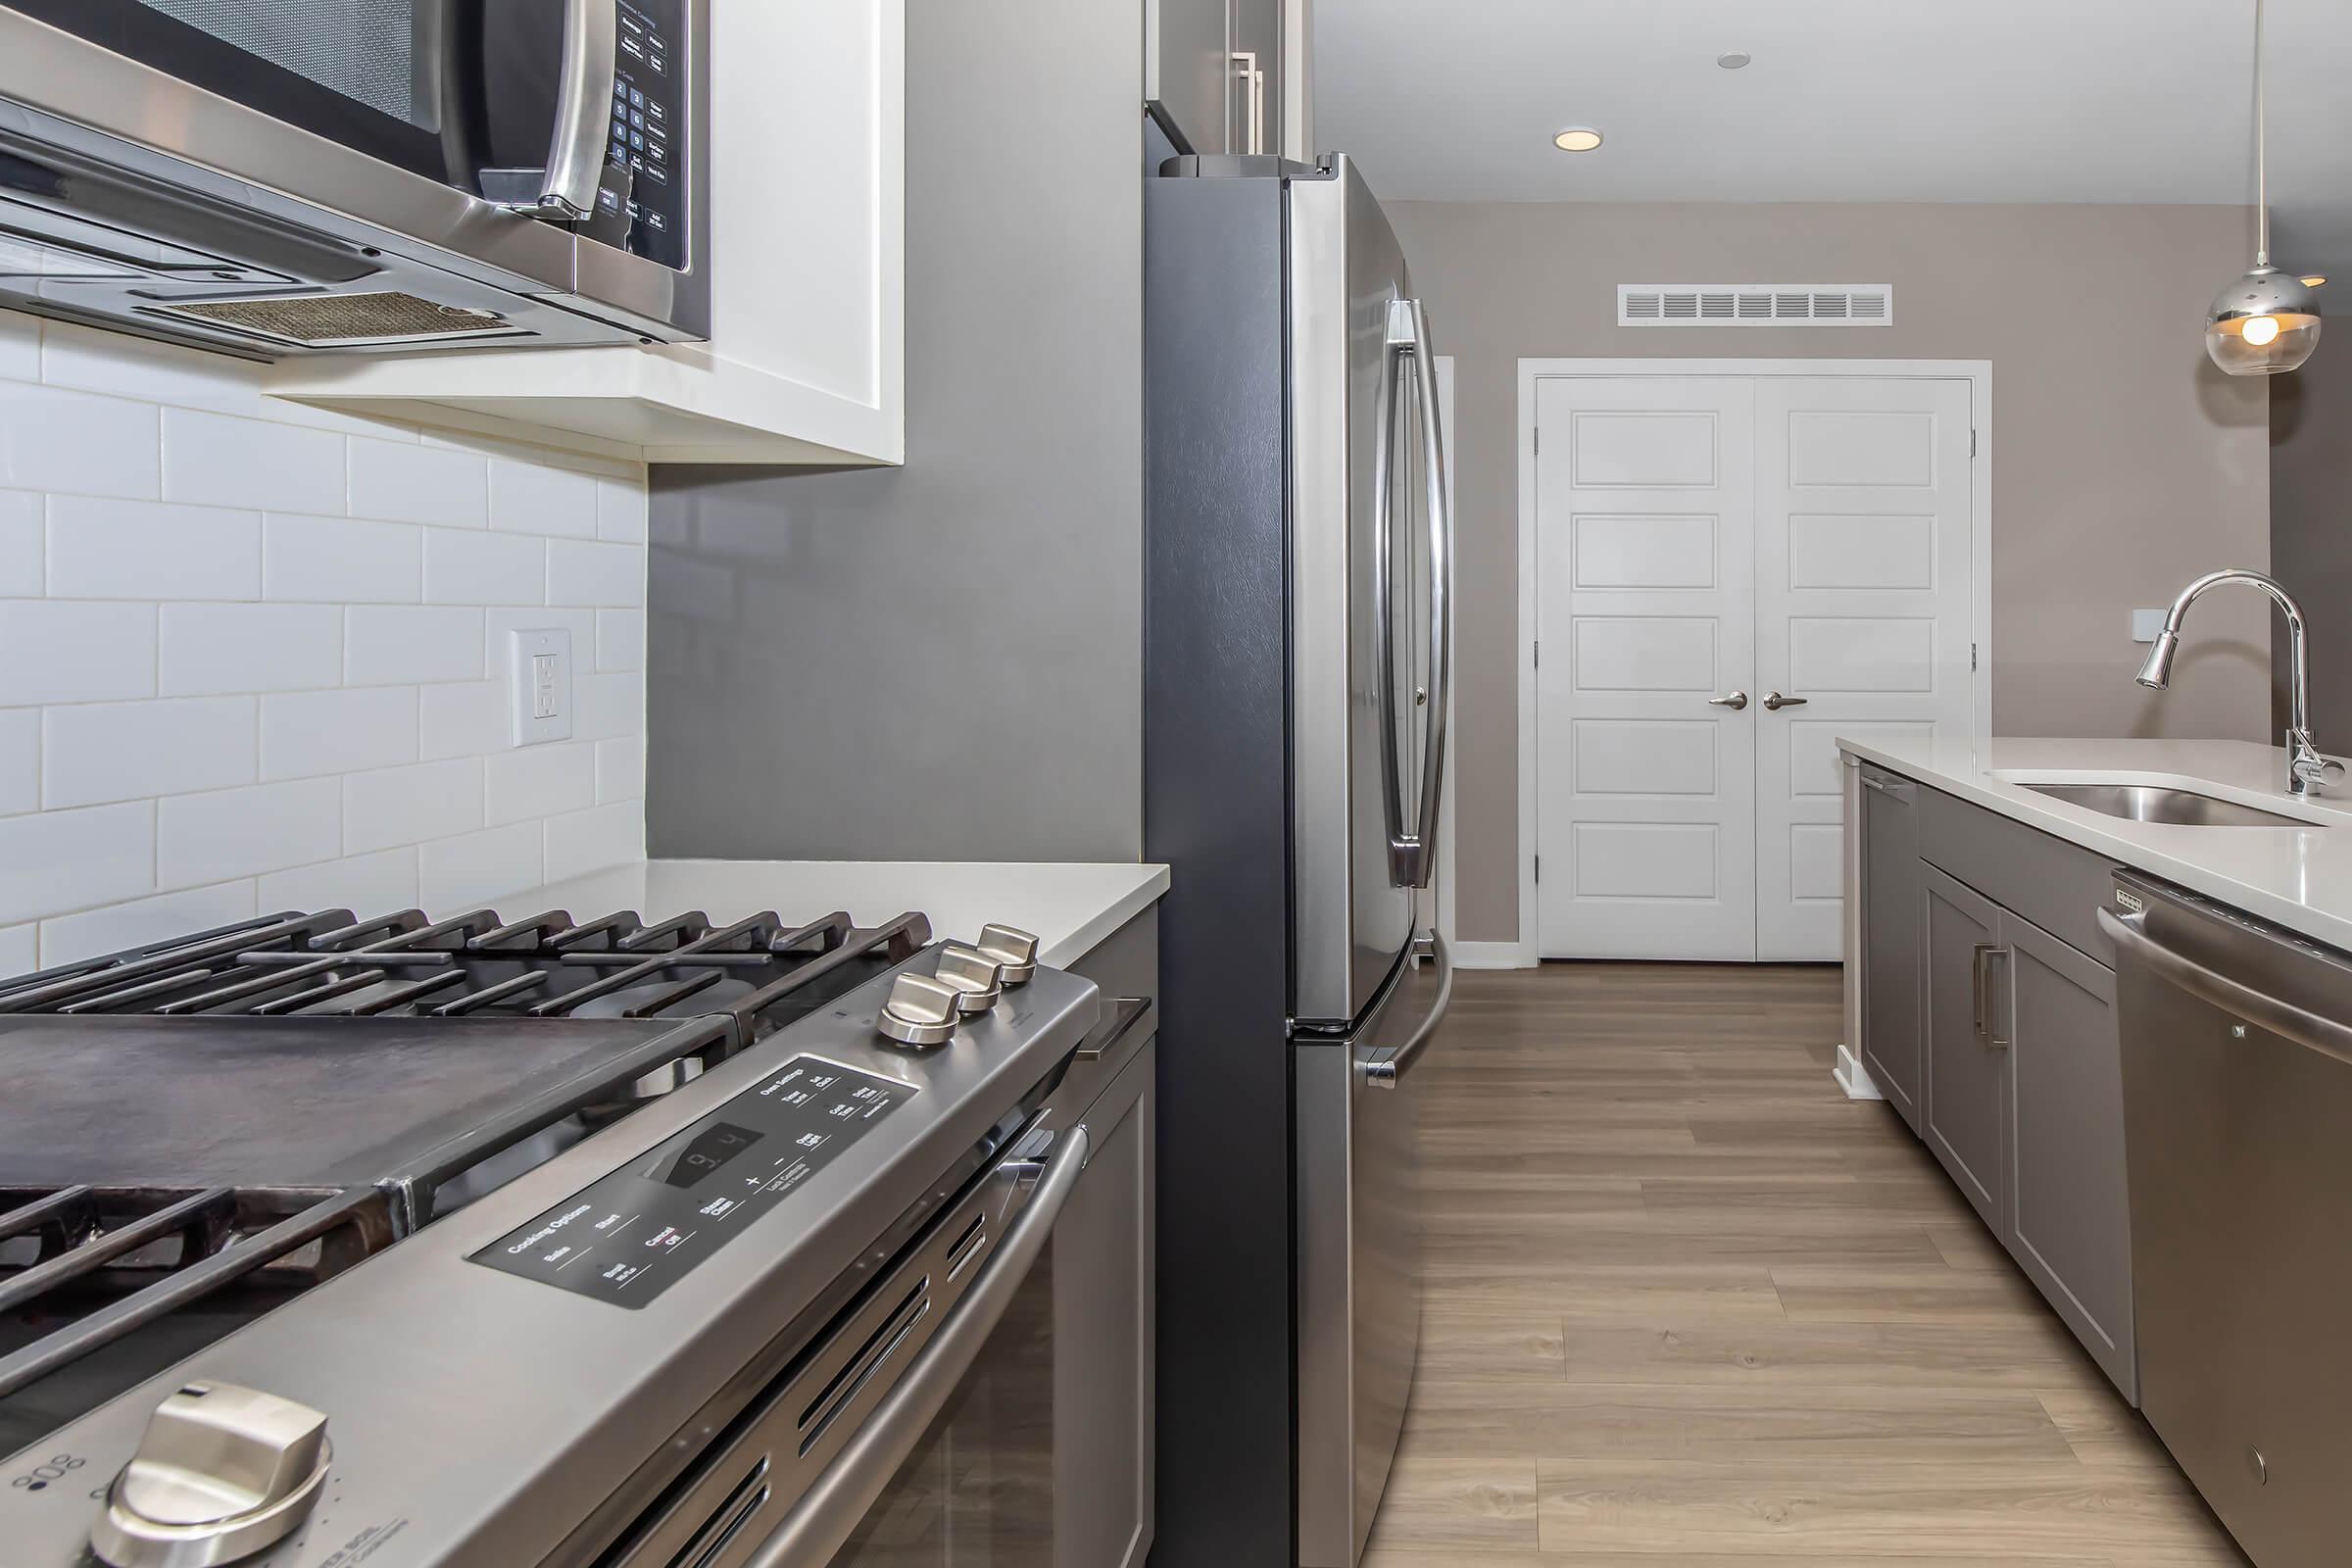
(1070,908)
(2300,878)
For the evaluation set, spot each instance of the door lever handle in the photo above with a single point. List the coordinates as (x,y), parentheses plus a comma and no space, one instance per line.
(1773,702)
(1735,700)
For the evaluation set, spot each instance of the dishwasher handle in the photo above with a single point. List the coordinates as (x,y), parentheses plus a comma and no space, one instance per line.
(2129,935)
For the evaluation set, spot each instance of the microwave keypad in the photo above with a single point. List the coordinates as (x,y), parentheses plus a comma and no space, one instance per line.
(649,115)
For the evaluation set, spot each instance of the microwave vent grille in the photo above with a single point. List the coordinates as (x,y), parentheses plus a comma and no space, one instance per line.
(345,320)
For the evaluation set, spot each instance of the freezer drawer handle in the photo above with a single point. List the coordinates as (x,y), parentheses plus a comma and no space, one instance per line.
(1412,855)
(1390,1070)
(829,1512)
(2131,936)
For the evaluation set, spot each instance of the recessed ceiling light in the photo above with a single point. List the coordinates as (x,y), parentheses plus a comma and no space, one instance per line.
(1733,59)
(1577,139)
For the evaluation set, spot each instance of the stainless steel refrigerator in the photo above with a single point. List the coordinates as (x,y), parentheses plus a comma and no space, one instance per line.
(1297,593)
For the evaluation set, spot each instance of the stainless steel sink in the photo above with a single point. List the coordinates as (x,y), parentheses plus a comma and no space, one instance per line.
(2152,803)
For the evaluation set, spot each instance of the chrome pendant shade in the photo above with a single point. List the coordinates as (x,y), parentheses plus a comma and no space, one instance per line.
(2267,322)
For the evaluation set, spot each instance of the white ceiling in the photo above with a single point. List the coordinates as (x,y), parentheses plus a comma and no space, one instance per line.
(1847,100)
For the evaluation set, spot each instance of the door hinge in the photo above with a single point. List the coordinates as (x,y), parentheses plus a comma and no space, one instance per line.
(1538,440)
(1972,659)
(1972,443)
(1539,655)
(1538,868)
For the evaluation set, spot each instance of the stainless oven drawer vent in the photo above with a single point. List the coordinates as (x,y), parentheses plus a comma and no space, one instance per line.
(347,320)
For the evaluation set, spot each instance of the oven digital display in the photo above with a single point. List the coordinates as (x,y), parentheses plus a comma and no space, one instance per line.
(626,1237)
(705,1156)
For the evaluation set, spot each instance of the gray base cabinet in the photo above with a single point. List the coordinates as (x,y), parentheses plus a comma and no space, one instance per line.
(1894,894)
(2006,1058)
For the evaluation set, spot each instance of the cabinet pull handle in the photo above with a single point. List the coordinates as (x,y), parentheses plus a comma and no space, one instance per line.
(1993,998)
(1975,984)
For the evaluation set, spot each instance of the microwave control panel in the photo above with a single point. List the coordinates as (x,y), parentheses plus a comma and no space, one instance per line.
(627,1236)
(646,159)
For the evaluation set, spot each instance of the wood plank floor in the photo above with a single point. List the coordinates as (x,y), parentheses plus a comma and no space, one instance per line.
(1689,1306)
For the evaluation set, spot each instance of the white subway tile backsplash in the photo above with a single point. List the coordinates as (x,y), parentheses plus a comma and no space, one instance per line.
(462,567)
(591,839)
(68,651)
(398,483)
(621,508)
(19,760)
(607,706)
(209,648)
(412,804)
(20,544)
(20,950)
(155,373)
(101,548)
(51,439)
(595,574)
(621,769)
(540,781)
(97,932)
(619,640)
(305,734)
(367,885)
(215,460)
(392,644)
(533,498)
(331,561)
(126,751)
(464,720)
(253,653)
(229,833)
(456,874)
(54,862)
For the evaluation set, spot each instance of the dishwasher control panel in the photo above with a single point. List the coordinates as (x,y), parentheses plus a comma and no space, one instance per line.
(626,1237)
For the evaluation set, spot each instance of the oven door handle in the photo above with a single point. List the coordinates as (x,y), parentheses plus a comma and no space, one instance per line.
(565,189)
(828,1513)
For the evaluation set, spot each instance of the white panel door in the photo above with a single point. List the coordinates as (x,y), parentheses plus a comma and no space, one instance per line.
(1645,506)
(1862,613)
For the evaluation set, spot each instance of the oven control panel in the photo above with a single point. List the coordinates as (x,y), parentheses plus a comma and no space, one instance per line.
(628,1236)
(645,155)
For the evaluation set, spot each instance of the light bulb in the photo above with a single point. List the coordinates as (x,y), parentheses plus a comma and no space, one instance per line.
(2262,329)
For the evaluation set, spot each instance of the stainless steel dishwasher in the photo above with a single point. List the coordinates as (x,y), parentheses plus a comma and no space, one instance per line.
(2238,1102)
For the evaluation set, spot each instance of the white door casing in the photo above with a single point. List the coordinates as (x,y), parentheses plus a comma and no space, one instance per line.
(1857,554)
(1643,557)
(1862,611)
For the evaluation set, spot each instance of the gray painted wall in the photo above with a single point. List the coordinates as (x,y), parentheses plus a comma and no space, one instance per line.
(2311,531)
(2123,463)
(943,660)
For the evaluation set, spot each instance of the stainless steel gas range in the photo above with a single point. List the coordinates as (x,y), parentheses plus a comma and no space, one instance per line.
(327,1240)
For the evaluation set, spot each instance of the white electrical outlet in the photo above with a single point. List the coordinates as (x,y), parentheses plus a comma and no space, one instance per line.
(539,675)
(2146,625)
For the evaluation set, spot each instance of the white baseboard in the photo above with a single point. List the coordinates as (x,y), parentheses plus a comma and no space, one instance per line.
(1490,955)
(1853,1077)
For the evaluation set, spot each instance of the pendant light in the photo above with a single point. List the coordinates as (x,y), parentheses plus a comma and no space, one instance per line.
(2268,321)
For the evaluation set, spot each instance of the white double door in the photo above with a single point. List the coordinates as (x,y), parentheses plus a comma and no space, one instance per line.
(1732,571)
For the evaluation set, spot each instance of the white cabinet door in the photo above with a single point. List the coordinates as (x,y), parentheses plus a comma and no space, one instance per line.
(1862,566)
(1644,512)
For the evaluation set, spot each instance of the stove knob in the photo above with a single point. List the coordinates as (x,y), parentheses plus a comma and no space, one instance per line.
(1016,949)
(978,979)
(223,1472)
(921,1012)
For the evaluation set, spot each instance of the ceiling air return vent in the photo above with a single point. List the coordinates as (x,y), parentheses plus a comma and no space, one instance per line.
(1756,305)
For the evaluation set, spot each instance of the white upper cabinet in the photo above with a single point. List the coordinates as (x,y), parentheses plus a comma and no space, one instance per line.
(806,361)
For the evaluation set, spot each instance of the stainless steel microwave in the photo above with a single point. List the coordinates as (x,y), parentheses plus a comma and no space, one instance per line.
(273,177)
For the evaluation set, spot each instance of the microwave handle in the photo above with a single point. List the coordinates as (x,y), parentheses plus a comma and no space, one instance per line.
(830,1510)
(565,189)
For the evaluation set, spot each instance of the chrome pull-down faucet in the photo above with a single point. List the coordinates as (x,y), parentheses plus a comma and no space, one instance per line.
(2307,771)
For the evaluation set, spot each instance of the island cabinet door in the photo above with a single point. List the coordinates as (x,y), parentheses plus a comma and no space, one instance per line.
(1968,1061)
(1892,911)
(2071,1219)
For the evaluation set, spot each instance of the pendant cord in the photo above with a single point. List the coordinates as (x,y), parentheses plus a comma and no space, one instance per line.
(2262,149)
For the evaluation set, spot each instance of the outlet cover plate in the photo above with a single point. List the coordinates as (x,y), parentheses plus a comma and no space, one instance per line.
(539,682)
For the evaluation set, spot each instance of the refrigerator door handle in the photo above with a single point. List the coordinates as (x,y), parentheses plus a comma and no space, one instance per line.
(1412,856)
